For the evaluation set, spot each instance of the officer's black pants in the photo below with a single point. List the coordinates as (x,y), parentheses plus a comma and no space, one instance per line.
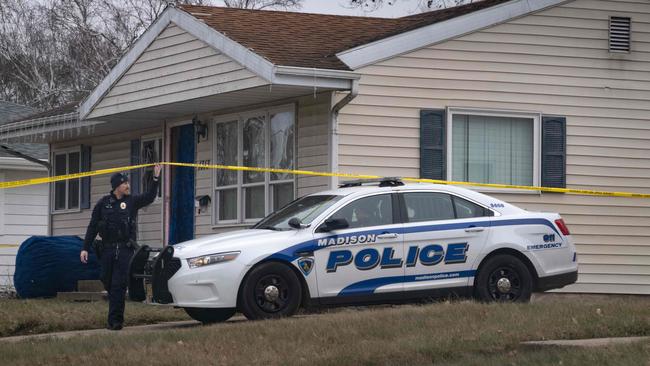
(115,275)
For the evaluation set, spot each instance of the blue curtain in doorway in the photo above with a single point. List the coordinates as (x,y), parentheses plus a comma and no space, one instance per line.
(181,226)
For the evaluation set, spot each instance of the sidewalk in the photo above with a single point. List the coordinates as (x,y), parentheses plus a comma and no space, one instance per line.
(593,342)
(90,332)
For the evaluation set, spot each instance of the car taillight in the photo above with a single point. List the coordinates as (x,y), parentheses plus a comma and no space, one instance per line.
(562,226)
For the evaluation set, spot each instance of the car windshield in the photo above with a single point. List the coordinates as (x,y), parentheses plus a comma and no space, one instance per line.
(305,209)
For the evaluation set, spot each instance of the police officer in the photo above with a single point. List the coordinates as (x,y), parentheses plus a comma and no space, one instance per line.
(114,218)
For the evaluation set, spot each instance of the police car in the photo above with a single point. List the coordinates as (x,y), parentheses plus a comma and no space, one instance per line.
(363,243)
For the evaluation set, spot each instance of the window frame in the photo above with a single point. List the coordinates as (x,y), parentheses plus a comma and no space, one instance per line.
(67,151)
(268,184)
(536,117)
(158,144)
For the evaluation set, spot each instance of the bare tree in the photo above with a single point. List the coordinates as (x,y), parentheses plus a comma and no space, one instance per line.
(264,4)
(56,51)
(372,5)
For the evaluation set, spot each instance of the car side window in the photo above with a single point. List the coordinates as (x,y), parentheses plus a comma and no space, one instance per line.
(428,206)
(368,211)
(466,209)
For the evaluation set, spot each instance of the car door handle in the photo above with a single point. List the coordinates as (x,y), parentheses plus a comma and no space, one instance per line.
(387,236)
(474,229)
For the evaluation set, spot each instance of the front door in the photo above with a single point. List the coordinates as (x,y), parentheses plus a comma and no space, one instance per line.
(364,259)
(443,234)
(181,225)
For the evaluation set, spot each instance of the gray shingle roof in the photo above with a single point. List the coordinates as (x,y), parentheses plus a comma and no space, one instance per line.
(10,112)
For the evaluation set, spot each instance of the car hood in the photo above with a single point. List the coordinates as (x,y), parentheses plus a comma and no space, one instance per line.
(234,240)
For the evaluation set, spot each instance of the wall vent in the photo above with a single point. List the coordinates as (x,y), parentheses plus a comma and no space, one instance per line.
(619,34)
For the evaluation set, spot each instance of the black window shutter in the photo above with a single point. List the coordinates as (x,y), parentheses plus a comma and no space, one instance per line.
(553,152)
(432,144)
(85,181)
(135,160)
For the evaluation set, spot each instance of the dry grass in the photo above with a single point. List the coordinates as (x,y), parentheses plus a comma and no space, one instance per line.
(457,333)
(21,317)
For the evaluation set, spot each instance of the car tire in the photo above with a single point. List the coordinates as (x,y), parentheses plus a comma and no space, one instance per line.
(503,278)
(209,316)
(271,290)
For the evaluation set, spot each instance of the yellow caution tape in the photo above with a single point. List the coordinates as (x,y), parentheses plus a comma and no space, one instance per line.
(9,245)
(28,182)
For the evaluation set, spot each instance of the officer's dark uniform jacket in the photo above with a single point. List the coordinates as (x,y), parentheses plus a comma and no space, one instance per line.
(115,220)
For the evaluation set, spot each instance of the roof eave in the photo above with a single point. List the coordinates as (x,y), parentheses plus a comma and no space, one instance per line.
(390,47)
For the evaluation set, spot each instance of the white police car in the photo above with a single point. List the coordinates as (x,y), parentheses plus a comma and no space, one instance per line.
(364,244)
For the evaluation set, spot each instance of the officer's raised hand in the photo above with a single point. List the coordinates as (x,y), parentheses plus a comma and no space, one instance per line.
(156,170)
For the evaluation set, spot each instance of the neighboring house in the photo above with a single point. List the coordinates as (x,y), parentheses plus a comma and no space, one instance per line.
(547,92)
(24,210)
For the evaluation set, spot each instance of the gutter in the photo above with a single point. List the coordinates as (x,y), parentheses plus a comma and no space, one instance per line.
(18,154)
(334,130)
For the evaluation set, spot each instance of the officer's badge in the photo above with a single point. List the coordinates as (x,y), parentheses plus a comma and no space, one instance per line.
(306,265)
(123,205)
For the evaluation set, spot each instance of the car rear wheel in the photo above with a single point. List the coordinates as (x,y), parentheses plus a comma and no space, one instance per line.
(271,290)
(504,278)
(209,316)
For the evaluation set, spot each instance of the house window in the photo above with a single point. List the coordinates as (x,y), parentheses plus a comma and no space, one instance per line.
(261,139)
(66,193)
(493,148)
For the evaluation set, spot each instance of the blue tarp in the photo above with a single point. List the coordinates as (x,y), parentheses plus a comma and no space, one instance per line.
(46,265)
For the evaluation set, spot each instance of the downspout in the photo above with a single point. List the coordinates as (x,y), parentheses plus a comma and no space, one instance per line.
(334,135)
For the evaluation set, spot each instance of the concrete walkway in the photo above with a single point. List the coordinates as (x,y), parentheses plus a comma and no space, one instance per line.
(593,342)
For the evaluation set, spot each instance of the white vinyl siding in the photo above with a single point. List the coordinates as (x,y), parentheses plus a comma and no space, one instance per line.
(175,67)
(111,151)
(554,62)
(23,213)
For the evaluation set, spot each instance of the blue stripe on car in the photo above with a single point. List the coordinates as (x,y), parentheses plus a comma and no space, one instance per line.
(368,287)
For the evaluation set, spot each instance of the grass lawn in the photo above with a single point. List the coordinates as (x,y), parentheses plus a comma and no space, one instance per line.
(21,317)
(456,333)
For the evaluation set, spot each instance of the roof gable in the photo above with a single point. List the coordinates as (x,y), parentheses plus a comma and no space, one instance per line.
(313,40)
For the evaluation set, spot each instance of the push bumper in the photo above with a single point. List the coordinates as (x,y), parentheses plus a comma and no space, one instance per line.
(556,281)
(165,279)
(148,277)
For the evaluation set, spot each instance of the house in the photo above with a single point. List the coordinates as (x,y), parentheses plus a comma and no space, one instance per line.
(24,210)
(545,92)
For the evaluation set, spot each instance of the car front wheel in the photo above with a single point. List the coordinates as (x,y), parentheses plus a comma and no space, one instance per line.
(504,278)
(209,316)
(271,290)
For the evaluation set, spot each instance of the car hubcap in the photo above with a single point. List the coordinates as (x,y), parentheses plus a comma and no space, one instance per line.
(272,293)
(504,284)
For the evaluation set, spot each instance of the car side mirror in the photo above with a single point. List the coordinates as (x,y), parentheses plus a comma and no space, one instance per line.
(334,224)
(296,223)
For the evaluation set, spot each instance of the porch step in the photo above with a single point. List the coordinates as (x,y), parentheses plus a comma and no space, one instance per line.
(90,286)
(81,296)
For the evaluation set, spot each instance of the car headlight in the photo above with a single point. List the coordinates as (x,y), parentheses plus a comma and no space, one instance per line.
(206,260)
